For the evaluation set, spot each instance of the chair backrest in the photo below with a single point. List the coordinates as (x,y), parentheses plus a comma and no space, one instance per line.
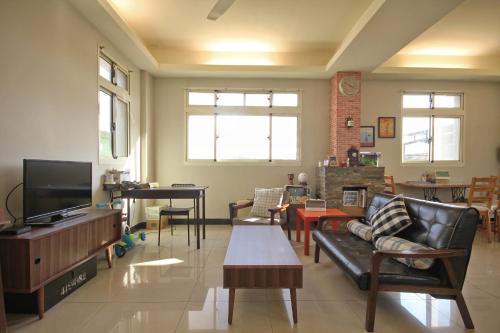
(390,187)
(496,188)
(481,191)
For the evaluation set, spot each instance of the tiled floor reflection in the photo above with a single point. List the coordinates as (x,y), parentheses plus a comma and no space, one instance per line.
(176,288)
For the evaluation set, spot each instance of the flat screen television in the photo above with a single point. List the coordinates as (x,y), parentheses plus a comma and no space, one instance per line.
(52,189)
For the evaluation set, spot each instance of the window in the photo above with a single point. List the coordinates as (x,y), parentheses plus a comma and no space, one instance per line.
(242,126)
(432,127)
(114,105)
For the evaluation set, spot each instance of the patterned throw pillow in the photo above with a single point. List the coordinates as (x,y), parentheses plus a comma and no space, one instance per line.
(390,219)
(264,199)
(400,244)
(360,229)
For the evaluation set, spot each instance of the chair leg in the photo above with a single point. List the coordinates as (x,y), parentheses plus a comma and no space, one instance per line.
(289,231)
(464,312)
(487,225)
(171,226)
(159,229)
(316,253)
(189,234)
(371,306)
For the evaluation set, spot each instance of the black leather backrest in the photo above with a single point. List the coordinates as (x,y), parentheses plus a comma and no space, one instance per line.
(437,225)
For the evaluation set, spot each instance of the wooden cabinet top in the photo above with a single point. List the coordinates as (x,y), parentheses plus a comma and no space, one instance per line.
(38,232)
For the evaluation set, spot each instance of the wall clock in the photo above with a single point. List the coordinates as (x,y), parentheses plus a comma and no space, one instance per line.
(349,86)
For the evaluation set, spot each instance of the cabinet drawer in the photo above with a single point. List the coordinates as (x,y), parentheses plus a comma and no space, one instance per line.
(53,254)
(103,232)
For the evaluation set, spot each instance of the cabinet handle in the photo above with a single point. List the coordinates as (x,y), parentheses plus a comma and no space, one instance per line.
(37,261)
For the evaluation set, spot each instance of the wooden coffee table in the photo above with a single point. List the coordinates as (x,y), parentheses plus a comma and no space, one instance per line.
(260,257)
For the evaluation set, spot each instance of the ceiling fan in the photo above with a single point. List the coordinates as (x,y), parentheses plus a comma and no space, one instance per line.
(219,9)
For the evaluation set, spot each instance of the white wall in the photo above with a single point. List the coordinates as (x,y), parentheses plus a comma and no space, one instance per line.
(48,91)
(482,127)
(230,183)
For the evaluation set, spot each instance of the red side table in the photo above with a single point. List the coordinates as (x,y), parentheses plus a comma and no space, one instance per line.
(312,216)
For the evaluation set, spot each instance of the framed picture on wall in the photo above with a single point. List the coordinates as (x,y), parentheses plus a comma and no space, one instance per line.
(387,127)
(367,136)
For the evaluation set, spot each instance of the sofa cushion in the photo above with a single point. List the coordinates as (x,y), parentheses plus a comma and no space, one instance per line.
(353,255)
(399,244)
(359,229)
(265,199)
(390,219)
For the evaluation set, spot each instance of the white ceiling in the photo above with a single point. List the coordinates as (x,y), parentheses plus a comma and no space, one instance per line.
(456,39)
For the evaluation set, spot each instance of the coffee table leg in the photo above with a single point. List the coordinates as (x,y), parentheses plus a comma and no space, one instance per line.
(307,230)
(293,297)
(232,292)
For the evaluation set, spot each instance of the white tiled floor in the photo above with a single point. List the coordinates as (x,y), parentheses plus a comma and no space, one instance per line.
(146,292)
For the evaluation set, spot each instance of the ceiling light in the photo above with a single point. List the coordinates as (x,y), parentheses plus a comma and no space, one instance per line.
(240,61)
(238,46)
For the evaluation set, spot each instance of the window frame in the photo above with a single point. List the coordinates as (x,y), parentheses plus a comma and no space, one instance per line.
(117,93)
(433,113)
(294,111)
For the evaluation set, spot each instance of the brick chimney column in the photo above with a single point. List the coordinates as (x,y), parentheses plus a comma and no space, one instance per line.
(342,107)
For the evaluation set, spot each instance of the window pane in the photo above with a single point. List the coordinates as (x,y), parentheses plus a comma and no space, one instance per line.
(416,133)
(230,99)
(447,101)
(105,124)
(284,138)
(285,99)
(446,139)
(257,99)
(242,137)
(201,137)
(105,68)
(201,98)
(120,120)
(121,79)
(416,101)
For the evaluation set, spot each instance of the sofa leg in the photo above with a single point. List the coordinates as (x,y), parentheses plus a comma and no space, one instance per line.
(289,231)
(371,306)
(464,312)
(316,253)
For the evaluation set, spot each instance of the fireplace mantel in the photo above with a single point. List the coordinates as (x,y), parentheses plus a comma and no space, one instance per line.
(332,180)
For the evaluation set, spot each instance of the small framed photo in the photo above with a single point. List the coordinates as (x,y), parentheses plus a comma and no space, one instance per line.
(367,136)
(332,161)
(387,127)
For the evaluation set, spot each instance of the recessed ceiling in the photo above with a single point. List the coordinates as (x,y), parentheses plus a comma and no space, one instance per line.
(248,25)
(305,38)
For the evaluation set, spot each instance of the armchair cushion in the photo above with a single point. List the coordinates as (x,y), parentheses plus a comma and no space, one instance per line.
(265,199)
(359,229)
(390,218)
(256,220)
(400,244)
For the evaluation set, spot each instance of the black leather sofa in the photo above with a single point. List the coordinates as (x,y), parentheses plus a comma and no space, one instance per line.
(449,230)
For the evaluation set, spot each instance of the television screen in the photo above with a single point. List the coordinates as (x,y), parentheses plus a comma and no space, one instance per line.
(54,188)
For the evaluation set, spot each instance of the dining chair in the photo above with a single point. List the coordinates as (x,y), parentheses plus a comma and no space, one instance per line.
(171,211)
(480,197)
(390,186)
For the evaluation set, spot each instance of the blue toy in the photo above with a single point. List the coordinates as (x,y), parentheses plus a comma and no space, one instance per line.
(128,242)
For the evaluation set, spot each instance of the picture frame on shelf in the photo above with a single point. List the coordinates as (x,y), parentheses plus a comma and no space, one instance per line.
(367,136)
(387,127)
(332,161)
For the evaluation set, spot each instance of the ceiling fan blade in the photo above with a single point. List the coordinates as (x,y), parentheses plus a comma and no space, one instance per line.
(220,8)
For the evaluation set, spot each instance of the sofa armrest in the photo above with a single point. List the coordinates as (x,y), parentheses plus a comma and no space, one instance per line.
(276,210)
(322,219)
(431,253)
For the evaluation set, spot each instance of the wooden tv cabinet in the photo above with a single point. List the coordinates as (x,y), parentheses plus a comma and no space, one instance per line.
(29,261)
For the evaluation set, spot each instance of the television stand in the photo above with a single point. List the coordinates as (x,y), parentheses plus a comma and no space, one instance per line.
(32,260)
(56,219)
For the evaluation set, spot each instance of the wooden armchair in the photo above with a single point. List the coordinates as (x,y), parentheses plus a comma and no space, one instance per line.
(277,215)
(390,186)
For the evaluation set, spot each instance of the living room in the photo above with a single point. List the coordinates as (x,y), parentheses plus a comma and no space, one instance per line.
(52,100)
